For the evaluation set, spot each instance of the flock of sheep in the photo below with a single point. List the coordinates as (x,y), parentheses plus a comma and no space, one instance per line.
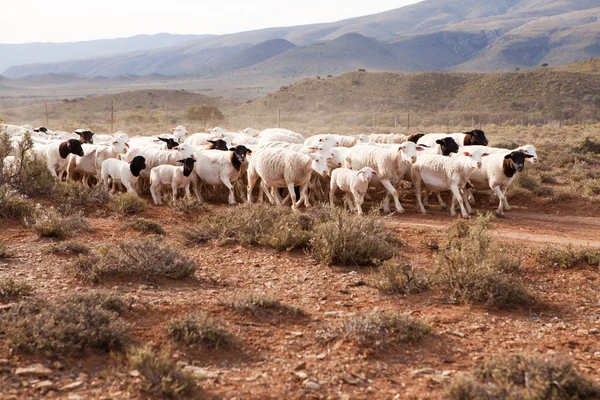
(283,161)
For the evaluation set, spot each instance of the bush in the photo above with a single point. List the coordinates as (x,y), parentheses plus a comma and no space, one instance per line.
(67,247)
(589,145)
(146,226)
(144,258)
(75,194)
(256,303)
(524,377)
(67,326)
(127,203)
(350,240)
(32,177)
(475,269)
(187,205)
(394,278)
(568,257)
(198,328)
(13,205)
(161,375)
(11,289)
(203,113)
(378,329)
(50,223)
(2,250)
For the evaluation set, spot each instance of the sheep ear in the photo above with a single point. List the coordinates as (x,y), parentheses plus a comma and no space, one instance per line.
(529,156)
(508,156)
(248,151)
(485,154)
(313,149)
(171,129)
(211,141)
(78,132)
(466,153)
(181,161)
(163,139)
(232,149)
(439,141)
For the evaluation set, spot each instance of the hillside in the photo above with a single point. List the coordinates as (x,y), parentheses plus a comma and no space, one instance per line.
(432,35)
(572,92)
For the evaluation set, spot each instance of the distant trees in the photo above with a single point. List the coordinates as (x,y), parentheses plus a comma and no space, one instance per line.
(362,70)
(204,114)
(544,65)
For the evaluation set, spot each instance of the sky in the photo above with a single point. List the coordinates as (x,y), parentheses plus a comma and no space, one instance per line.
(25,21)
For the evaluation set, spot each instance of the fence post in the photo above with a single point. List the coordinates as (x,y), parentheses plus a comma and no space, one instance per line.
(112,116)
(373,120)
(355,122)
(213,118)
(278,117)
(408,122)
(46,107)
(395,120)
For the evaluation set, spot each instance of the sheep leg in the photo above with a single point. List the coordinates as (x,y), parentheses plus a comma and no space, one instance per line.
(187,190)
(155,196)
(267,192)
(441,202)
(416,178)
(506,206)
(466,202)
(252,178)
(426,198)
(392,190)
(348,199)
(175,190)
(333,187)
(304,195)
(290,187)
(458,197)
(277,196)
(358,199)
(196,184)
(129,188)
(226,182)
(501,199)
(470,196)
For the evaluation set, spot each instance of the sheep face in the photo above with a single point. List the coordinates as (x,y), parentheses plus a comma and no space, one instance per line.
(185,150)
(368,173)
(529,149)
(120,145)
(319,163)
(218,144)
(409,150)
(85,136)
(179,131)
(475,137)
(474,157)
(71,146)
(170,142)
(517,159)
(448,145)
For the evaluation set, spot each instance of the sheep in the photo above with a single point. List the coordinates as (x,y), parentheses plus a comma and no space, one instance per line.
(201,139)
(280,135)
(175,176)
(441,173)
(94,155)
(497,172)
(155,157)
(351,182)
(215,167)
(85,136)
(328,140)
(475,137)
(244,139)
(126,173)
(393,138)
(249,132)
(57,153)
(179,132)
(284,168)
(389,164)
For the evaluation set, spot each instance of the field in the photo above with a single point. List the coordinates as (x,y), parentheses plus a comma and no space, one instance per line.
(242,310)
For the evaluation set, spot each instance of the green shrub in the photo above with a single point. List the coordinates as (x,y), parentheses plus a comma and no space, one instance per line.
(34,178)
(589,145)
(144,258)
(50,223)
(13,205)
(66,326)
(187,205)
(350,240)
(395,278)
(76,194)
(256,303)
(475,269)
(377,330)
(161,376)
(11,289)
(569,257)
(145,225)
(198,328)
(520,377)
(127,203)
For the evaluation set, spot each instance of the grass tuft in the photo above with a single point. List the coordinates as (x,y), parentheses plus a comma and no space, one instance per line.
(76,194)
(257,303)
(198,328)
(67,247)
(568,257)
(13,205)
(395,278)
(50,223)
(145,226)
(127,203)
(11,289)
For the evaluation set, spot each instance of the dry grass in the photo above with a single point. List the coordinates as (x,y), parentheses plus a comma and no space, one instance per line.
(260,303)
(520,377)
(395,278)
(568,257)
(13,205)
(50,223)
(12,290)
(68,325)
(76,194)
(67,247)
(143,258)
(475,269)
(2,250)
(145,226)
(377,330)
(198,328)
(127,203)
(161,376)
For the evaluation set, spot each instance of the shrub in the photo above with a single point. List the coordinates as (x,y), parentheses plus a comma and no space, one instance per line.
(350,240)
(13,205)
(256,303)
(395,278)
(75,194)
(146,226)
(524,377)
(187,205)
(67,247)
(589,145)
(198,328)
(161,375)
(203,113)
(127,203)
(378,329)
(32,176)
(475,269)
(145,258)
(50,223)
(66,326)
(2,250)
(11,289)
(569,257)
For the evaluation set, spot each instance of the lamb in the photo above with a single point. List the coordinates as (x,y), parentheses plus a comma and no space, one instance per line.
(215,167)
(351,182)
(179,133)
(155,157)
(326,140)
(284,168)
(57,154)
(497,172)
(249,131)
(175,176)
(117,171)
(475,137)
(441,173)
(94,155)
(85,136)
(389,164)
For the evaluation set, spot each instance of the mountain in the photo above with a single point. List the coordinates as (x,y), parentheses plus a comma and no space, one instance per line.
(28,53)
(432,35)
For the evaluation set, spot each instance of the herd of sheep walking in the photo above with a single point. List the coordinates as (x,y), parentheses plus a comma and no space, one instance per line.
(283,161)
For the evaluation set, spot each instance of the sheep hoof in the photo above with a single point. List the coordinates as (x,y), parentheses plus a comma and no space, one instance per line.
(507,209)
(400,211)
(500,215)
(426,206)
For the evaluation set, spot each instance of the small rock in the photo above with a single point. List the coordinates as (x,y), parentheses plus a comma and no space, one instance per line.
(200,372)
(4,361)
(134,373)
(300,366)
(302,375)
(75,397)
(594,331)
(34,370)
(252,378)
(298,334)
(423,371)
(321,356)
(71,386)
(447,372)
(349,379)
(57,365)
(456,333)
(551,352)
(44,385)
(312,385)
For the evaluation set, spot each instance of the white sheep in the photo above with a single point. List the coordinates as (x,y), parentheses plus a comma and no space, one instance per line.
(284,168)
(94,155)
(201,139)
(155,157)
(354,183)
(327,140)
(57,153)
(470,138)
(442,173)
(115,172)
(397,138)
(389,165)
(280,135)
(175,176)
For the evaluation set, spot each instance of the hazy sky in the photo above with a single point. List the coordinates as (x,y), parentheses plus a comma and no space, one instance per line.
(23,21)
